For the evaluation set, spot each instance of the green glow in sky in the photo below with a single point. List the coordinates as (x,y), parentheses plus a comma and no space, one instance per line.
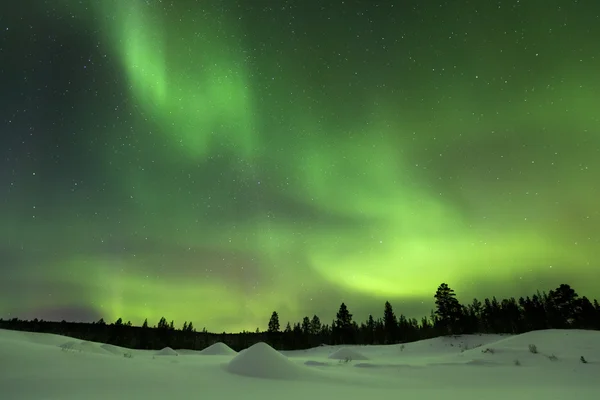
(293,159)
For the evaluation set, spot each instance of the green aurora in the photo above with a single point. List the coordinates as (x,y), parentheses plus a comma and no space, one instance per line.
(237,159)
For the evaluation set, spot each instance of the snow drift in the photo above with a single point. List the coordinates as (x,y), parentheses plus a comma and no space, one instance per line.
(218,349)
(263,361)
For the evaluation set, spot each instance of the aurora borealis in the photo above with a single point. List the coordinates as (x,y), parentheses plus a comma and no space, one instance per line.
(214,160)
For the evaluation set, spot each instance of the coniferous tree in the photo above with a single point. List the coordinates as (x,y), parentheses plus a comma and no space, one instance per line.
(448,309)
(343,326)
(315,325)
(306,327)
(162,323)
(558,308)
(584,314)
(369,329)
(564,302)
(473,321)
(307,337)
(390,324)
(273,326)
(379,331)
(273,330)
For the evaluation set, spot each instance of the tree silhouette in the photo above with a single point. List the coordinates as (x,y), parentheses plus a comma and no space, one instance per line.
(448,309)
(273,326)
(273,333)
(369,330)
(315,325)
(558,308)
(564,301)
(390,323)
(162,323)
(343,328)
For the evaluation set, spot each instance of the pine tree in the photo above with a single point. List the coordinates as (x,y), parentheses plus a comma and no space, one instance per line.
(162,323)
(273,323)
(390,323)
(145,324)
(119,322)
(448,309)
(370,330)
(564,299)
(306,326)
(343,326)
(315,325)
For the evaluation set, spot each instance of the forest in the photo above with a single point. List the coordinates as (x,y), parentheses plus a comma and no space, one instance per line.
(560,308)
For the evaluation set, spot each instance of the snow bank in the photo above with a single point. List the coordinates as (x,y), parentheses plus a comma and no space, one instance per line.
(83,347)
(218,349)
(116,350)
(346,353)
(263,361)
(547,345)
(167,351)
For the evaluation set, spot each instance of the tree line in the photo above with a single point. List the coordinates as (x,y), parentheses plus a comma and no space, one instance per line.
(561,308)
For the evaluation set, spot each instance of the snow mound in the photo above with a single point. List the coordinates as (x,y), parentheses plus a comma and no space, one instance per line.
(112,349)
(218,349)
(448,344)
(552,344)
(263,361)
(83,347)
(346,353)
(167,351)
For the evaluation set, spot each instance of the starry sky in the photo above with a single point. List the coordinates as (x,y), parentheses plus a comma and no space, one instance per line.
(216,160)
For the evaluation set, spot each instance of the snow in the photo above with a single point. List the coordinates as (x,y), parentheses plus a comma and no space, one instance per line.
(348,354)
(83,346)
(263,361)
(167,351)
(218,349)
(491,367)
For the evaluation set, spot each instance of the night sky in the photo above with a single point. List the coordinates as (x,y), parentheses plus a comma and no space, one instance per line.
(214,160)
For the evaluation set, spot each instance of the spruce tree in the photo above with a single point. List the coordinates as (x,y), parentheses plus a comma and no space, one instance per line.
(306,327)
(564,299)
(448,309)
(370,330)
(162,323)
(315,325)
(390,323)
(343,326)
(288,328)
(273,323)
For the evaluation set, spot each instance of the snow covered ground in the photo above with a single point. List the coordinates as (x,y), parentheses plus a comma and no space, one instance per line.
(489,367)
